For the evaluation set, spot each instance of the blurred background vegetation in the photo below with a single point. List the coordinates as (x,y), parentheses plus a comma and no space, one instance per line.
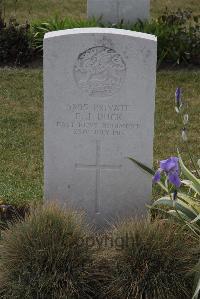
(43,9)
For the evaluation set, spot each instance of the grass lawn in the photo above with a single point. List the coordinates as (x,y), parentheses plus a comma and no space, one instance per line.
(44,9)
(21,135)
(21,127)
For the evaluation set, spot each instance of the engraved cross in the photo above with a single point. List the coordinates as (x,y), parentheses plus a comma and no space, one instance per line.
(99,167)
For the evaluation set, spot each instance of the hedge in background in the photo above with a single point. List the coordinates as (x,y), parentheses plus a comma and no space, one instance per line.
(178,34)
(15,43)
(178,37)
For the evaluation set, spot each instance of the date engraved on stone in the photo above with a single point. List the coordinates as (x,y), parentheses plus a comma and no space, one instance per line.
(99,71)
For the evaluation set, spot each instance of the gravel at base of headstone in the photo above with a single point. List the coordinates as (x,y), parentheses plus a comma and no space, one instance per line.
(115,11)
(99,89)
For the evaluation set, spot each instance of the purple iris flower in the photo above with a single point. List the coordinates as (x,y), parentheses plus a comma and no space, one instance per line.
(171,168)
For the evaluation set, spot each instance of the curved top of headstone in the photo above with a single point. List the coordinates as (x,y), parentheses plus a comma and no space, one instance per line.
(95,30)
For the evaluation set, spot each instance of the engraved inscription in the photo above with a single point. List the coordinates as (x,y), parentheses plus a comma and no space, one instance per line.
(99,71)
(98,167)
(100,119)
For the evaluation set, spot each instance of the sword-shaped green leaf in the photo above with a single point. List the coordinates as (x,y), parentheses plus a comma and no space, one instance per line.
(178,205)
(148,170)
(141,165)
(189,175)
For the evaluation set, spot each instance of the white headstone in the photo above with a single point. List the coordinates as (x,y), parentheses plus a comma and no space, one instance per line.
(114,11)
(99,87)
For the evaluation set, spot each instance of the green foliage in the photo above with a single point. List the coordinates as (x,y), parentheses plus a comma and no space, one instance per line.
(178,34)
(40,28)
(186,209)
(15,43)
(41,257)
(186,206)
(154,262)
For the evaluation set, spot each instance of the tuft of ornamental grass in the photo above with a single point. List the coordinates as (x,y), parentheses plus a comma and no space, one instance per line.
(154,262)
(44,256)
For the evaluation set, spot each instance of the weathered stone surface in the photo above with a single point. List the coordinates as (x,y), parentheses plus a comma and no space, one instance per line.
(99,88)
(114,11)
